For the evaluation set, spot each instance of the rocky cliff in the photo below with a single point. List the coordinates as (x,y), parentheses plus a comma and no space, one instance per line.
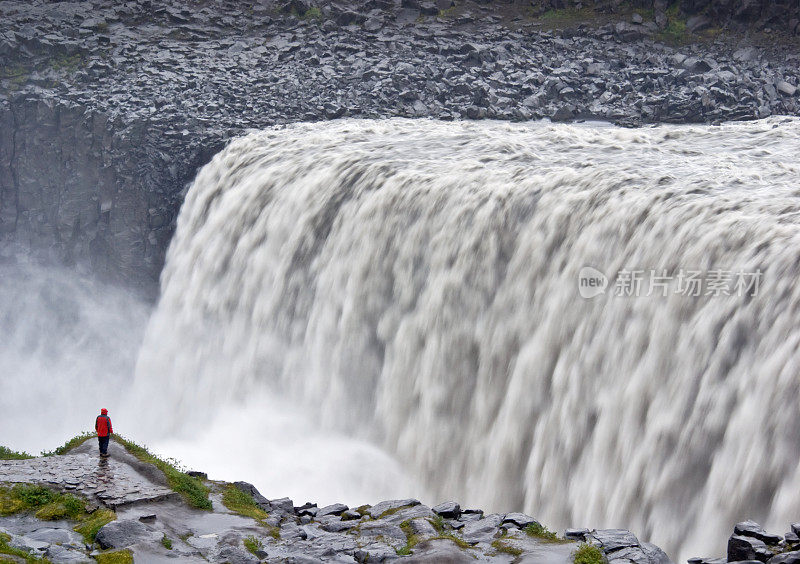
(107,109)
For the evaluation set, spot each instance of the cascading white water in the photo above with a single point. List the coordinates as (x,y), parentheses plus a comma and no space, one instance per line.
(416,284)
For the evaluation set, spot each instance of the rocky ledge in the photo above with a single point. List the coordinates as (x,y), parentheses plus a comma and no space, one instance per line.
(151,523)
(107,109)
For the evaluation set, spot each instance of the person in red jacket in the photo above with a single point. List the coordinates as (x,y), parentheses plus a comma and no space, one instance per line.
(104,430)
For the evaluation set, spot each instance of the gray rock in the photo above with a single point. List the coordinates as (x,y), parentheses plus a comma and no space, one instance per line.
(63,555)
(251,490)
(448,510)
(747,548)
(786,558)
(482,530)
(577,534)
(56,536)
(382,529)
(283,505)
(614,539)
(334,509)
(518,519)
(440,551)
(124,533)
(422,527)
(753,529)
(785,88)
(380,508)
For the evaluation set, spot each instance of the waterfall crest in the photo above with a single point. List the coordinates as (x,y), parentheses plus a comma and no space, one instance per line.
(415,284)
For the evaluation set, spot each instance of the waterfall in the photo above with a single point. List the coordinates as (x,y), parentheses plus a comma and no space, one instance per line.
(415,284)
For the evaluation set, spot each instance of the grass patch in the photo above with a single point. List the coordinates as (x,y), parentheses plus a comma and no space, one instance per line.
(588,554)
(675,32)
(74,442)
(116,557)
(459,542)
(438,523)
(566,16)
(8,454)
(49,505)
(94,522)
(192,489)
(66,63)
(313,13)
(252,544)
(10,551)
(166,542)
(539,531)
(411,539)
(392,511)
(363,510)
(502,546)
(242,503)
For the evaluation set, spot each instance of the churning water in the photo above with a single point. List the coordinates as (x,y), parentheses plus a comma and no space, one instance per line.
(414,285)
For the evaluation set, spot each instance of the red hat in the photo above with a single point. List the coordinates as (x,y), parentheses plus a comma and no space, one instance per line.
(103,411)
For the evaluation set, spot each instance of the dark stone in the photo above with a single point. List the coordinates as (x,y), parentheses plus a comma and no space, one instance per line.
(448,510)
(786,558)
(576,534)
(753,529)
(335,509)
(747,548)
(518,519)
(614,539)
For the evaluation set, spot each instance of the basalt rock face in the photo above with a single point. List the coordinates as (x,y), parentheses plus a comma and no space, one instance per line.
(108,109)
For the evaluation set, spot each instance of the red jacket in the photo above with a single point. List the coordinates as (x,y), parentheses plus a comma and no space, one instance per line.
(103,426)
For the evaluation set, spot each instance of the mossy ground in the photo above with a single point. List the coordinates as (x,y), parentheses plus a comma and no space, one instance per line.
(8,454)
(588,554)
(8,551)
(115,557)
(49,505)
(243,503)
(252,544)
(539,531)
(193,490)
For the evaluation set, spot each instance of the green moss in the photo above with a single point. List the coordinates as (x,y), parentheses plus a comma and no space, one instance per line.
(438,523)
(447,12)
(192,489)
(313,13)
(252,544)
(392,511)
(8,454)
(93,522)
(363,510)
(66,63)
(242,503)
(65,507)
(566,15)
(115,557)
(501,546)
(588,554)
(166,542)
(49,505)
(539,531)
(459,542)
(10,551)
(70,444)
(411,539)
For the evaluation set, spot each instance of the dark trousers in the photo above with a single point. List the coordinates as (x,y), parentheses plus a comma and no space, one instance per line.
(103,444)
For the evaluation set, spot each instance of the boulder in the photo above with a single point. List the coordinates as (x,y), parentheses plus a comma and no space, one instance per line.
(121,534)
(334,509)
(251,490)
(786,558)
(283,504)
(448,510)
(747,548)
(518,519)
(380,508)
(614,539)
(753,529)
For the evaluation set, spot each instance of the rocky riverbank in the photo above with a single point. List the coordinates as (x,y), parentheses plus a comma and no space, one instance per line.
(136,515)
(107,109)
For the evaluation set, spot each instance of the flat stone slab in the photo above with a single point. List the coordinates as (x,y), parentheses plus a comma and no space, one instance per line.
(109,482)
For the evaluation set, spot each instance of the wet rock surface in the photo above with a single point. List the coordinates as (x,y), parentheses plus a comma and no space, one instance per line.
(156,524)
(107,109)
(751,543)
